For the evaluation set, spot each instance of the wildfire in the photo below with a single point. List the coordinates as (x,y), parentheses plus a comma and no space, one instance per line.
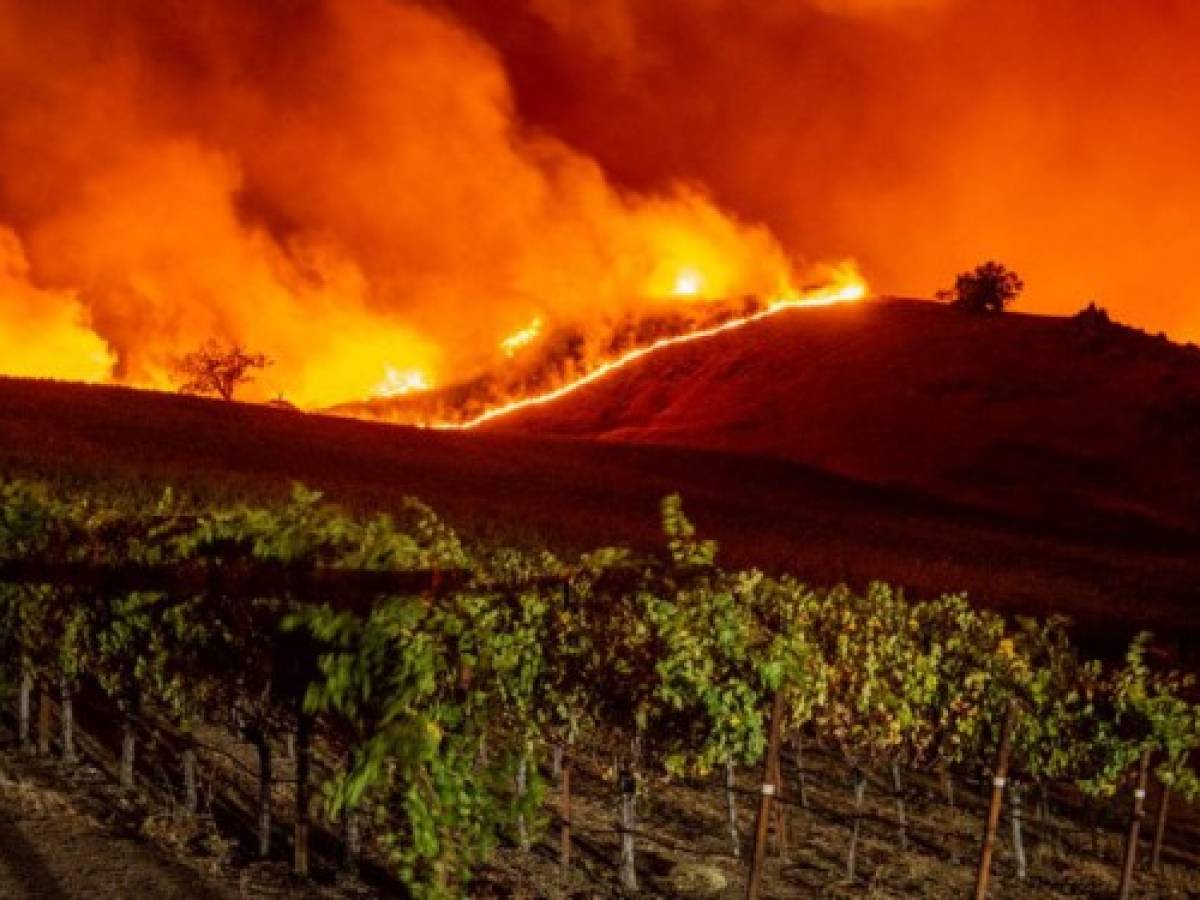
(846,287)
(397,383)
(514,342)
(689,282)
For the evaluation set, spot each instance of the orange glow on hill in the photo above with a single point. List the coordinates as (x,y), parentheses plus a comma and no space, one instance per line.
(846,287)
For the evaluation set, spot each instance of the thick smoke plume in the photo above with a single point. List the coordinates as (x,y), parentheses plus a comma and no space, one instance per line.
(343,185)
(919,136)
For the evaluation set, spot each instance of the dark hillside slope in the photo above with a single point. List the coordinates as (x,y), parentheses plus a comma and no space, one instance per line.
(578,494)
(1034,415)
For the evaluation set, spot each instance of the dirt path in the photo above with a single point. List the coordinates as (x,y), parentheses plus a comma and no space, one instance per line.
(50,850)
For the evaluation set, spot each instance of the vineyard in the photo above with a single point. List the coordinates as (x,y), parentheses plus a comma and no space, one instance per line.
(436,697)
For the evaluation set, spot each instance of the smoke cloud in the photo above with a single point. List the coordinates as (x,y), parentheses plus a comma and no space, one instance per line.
(343,185)
(353,186)
(919,136)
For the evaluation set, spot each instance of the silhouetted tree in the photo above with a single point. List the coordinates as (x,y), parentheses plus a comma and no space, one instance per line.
(218,370)
(987,289)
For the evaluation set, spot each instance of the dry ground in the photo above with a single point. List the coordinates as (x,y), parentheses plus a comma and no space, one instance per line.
(68,834)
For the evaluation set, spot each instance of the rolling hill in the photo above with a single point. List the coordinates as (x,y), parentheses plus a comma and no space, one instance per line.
(1075,421)
(573,494)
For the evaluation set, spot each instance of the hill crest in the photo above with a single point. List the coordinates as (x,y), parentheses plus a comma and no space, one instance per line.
(1015,412)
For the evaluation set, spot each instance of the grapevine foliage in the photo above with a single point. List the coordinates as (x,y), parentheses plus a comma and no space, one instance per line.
(435,699)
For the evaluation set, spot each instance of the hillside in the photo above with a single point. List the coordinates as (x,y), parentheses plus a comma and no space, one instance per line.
(575,494)
(1069,420)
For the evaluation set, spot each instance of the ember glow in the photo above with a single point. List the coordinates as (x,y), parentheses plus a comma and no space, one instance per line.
(847,287)
(527,335)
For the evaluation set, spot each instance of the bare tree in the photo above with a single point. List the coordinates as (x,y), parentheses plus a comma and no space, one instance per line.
(217,369)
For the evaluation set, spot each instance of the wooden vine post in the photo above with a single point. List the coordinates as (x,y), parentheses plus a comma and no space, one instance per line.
(1135,825)
(43,729)
(1018,839)
(735,839)
(303,767)
(776,779)
(627,785)
(999,779)
(564,852)
(263,810)
(762,823)
(1160,828)
(351,840)
(23,706)
(67,720)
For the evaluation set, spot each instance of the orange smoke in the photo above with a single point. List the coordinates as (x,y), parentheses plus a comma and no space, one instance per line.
(919,136)
(343,185)
(46,333)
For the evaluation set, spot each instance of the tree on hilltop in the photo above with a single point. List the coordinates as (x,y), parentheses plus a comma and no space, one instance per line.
(218,370)
(988,289)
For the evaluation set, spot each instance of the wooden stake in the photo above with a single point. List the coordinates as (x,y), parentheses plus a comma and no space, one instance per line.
(901,812)
(993,820)
(781,835)
(67,721)
(564,848)
(1160,828)
(351,840)
(43,736)
(1135,825)
(191,797)
(522,787)
(23,705)
(556,762)
(628,868)
(735,839)
(1014,792)
(303,755)
(860,789)
(128,751)
(762,823)
(264,794)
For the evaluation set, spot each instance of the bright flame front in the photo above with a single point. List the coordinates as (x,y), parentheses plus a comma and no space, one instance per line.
(527,335)
(397,383)
(845,286)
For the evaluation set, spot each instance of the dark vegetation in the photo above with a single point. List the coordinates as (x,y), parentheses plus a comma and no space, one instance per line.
(571,494)
(988,288)
(217,370)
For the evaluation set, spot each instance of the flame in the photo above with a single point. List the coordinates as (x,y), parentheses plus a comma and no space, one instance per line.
(155,204)
(689,282)
(846,286)
(514,342)
(43,332)
(397,383)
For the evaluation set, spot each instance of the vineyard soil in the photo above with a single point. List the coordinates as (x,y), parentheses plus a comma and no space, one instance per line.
(65,837)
